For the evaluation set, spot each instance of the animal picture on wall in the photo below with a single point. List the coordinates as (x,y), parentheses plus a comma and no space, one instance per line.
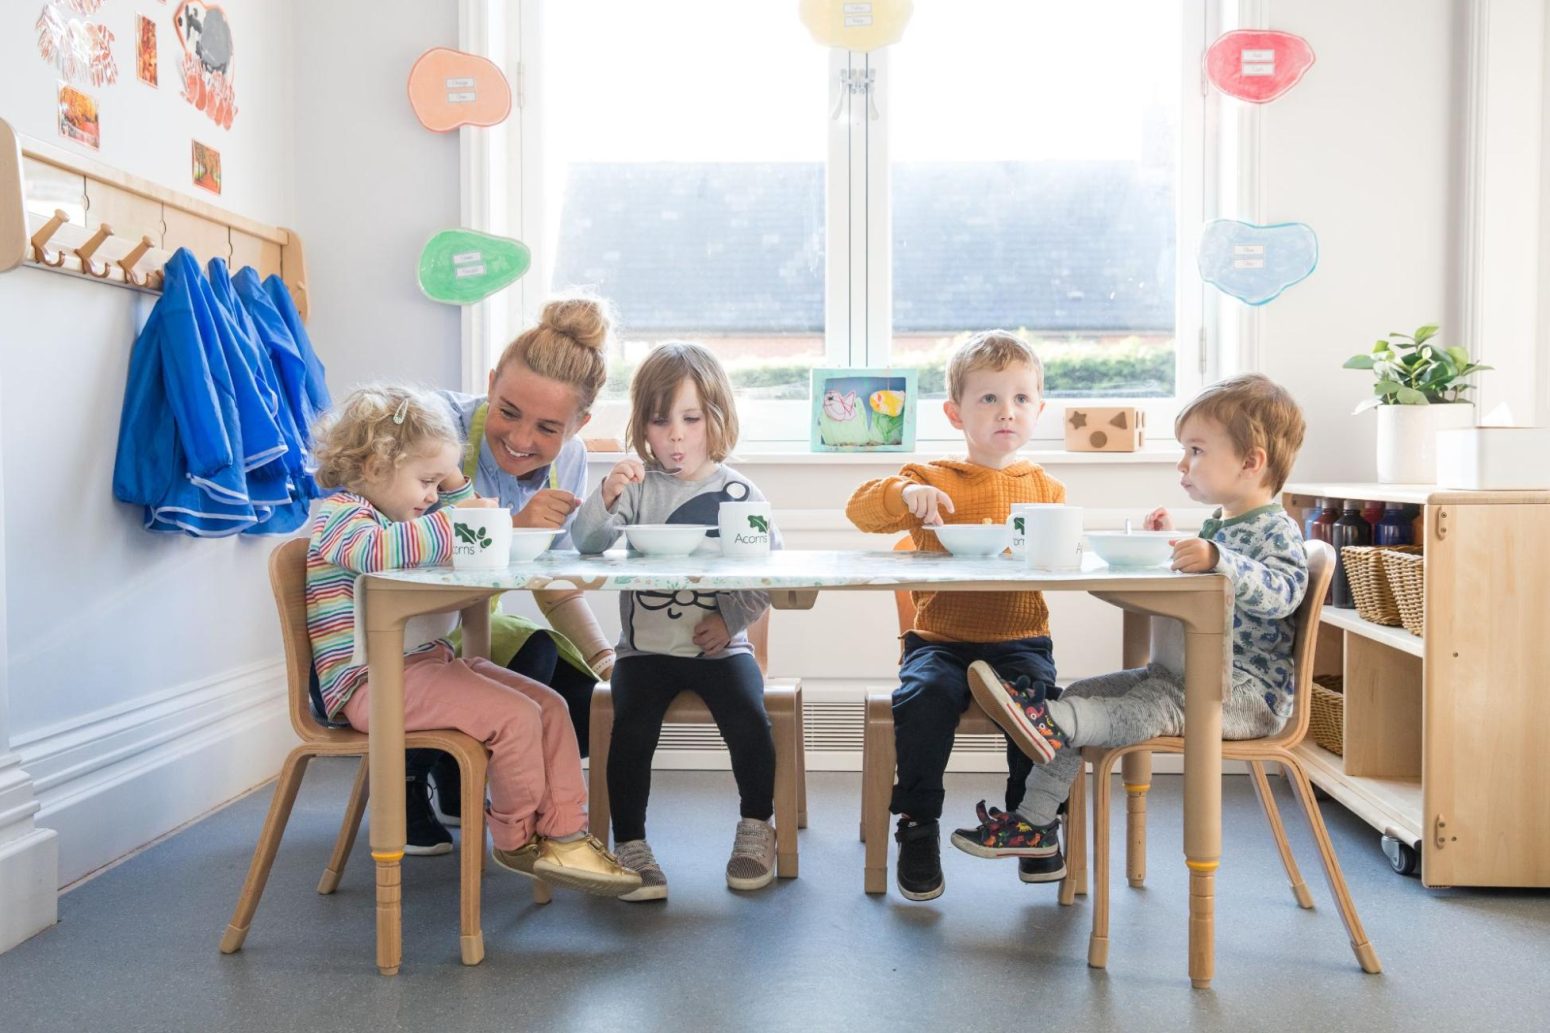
(81,50)
(204,33)
(863,410)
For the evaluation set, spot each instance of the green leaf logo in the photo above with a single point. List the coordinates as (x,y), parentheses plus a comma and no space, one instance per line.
(465,532)
(1017,524)
(759,523)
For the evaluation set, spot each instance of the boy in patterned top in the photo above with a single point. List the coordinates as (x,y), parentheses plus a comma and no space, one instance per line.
(1240,438)
(995,386)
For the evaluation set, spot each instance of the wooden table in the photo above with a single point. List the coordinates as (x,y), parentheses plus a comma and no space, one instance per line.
(793,578)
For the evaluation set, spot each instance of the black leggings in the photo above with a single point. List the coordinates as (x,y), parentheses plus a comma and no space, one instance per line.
(538,659)
(733,690)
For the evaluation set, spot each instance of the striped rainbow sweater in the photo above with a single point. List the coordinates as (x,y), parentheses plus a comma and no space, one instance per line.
(350,537)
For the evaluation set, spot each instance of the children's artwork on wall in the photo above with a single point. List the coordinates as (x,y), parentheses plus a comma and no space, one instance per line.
(856,26)
(82,51)
(1257,65)
(78,117)
(1256,263)
(207,167)
(1110,429)
(460,267)
(449,88)
(145,50)
(863,410)
(204,33)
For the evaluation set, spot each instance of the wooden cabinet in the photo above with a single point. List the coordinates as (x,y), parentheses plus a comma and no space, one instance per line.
(1447,735)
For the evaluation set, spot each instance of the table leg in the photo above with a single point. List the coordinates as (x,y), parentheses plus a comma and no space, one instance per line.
(385,650)
(1207,671)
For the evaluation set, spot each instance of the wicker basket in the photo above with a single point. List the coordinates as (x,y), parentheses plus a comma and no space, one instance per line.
(1406,575)
(1326,717)
(1363,565)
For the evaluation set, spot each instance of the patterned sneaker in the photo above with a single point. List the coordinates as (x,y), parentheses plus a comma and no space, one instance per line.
(583,864)
(520,860)
(752,864)
(636,855)
(1007,835)
(1020,711)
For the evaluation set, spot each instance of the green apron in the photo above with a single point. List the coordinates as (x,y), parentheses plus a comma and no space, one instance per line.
(509,632)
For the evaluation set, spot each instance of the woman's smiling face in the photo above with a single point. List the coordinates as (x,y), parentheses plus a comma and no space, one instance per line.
(530,418)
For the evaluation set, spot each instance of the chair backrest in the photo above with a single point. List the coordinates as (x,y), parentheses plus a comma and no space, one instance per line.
(1321,569)
(903,601)
(288,579)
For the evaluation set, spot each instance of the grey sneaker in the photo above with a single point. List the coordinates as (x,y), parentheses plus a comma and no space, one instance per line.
(752,864)
(636,855)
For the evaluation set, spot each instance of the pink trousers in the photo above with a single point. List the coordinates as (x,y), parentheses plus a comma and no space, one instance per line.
(535,765)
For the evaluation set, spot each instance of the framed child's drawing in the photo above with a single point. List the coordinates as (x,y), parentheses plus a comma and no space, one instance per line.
(863,410)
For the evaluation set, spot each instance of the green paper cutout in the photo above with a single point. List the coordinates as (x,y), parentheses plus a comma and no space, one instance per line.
(461,267)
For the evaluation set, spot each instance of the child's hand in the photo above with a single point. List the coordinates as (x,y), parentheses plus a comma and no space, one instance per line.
(1158,520)
(711,634)
(1194,555)
(629,470)
(548,509)
(925,502)
(454,481)
(479,503)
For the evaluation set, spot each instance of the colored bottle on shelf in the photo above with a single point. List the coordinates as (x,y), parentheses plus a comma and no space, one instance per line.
(1350,529)
(1320,519)
(1372,512)
(1395,528)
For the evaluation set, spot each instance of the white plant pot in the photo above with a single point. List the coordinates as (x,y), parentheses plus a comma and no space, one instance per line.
(1407,439)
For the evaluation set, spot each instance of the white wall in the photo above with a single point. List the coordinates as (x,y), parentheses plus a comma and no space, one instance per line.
(142,675)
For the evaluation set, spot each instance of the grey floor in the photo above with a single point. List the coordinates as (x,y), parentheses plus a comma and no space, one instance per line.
(135,948)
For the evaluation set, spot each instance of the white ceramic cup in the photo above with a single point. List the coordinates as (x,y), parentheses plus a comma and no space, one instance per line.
(744,528)
(1054,536)
(481,538)
(1017,521)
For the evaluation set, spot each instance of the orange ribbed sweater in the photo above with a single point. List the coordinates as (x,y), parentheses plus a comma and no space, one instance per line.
(978,493)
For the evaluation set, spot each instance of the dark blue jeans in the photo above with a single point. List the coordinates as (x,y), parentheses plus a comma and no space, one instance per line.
(933,691)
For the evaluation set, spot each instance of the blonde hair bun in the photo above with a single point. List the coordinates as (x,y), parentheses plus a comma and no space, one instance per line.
(584,320)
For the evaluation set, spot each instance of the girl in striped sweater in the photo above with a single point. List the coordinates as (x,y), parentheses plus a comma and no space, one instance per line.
(393,459)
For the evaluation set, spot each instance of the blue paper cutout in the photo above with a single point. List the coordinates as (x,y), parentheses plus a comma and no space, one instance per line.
(1256,263)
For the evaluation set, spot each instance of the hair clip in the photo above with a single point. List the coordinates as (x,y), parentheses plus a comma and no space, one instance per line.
(401,411)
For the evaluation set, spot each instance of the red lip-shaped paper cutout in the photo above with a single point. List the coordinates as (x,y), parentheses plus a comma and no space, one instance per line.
(1257,65)
(448,89)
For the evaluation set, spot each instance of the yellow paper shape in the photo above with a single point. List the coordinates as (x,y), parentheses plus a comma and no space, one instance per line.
(856,26)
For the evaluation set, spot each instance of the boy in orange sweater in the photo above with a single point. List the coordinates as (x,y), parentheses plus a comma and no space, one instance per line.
(995,386)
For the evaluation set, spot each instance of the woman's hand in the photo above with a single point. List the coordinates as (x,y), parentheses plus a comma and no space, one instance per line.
(479,503)
(629,470)
(550,508)
(1194,555)
(1158,520)
(711,634)
(925,503)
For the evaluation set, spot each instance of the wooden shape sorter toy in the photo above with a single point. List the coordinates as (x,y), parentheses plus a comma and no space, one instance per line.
(1118,429)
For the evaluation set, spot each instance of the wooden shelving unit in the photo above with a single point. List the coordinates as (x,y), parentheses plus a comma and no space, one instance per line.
(1447,735)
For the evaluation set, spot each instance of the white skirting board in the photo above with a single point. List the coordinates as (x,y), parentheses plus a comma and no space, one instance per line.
(112,781)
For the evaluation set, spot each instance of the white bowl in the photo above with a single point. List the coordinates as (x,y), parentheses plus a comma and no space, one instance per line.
(528,542)
(665,539)
(974,539)
(1136,549)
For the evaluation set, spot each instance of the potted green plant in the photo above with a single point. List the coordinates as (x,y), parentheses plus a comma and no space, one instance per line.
(1419,389)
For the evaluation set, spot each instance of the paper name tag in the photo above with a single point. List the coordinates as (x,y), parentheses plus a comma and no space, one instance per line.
(470,270)
(466,82)
(1248,249)
(1258,62)
(467,256)
(857,8)
(462,98)
(1248,263)
(857,21)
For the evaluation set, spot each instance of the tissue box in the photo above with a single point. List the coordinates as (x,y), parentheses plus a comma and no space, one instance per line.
(1494,458)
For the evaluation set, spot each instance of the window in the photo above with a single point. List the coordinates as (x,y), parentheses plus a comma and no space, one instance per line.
(720,177)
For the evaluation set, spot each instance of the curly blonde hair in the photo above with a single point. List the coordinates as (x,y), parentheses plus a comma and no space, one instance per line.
(374,430)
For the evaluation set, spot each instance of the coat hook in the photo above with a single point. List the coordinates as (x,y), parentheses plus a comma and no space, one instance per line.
(127,263)
(41,238)
(86,250)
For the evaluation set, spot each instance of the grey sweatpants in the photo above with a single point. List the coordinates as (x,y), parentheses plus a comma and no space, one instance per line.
(1128,707)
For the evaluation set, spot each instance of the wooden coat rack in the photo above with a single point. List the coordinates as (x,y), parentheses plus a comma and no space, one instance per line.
(65,213)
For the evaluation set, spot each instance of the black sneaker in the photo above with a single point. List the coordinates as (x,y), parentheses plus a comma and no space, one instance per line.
(448,779)
(919,871)
(1042,869)
(423,834)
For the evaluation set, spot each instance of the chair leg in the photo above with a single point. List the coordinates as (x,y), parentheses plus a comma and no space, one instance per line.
(1098,943)
(866,765)
(1075,881)
(347,830)
(472,768)
(1366,955)
(280,805)
(1136,773)
(600,730)
(1267,801)
(801,760)
(876,787)
(781,705)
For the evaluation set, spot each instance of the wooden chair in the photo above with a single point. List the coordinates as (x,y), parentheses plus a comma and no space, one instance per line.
(879,759)
(287,577)
(1256,752)
(783,702)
